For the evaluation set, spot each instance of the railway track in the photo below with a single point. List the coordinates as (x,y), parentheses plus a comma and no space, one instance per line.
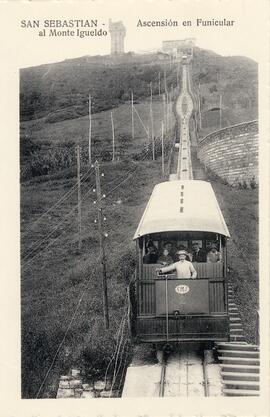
(183,374)
(184,108)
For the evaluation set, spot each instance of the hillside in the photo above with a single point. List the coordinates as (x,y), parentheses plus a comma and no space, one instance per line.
(60,91)
(54,103)
(235,79)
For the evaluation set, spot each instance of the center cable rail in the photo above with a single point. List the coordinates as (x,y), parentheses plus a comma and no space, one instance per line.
(184,108)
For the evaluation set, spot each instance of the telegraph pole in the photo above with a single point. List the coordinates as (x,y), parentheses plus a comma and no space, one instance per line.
(220,104)
(167,111)
(171,106)
(165,80)
(102,249)
(90,133)
(113,144)
(200,106)
(152,123)
(164,110)
(132,116)
(159,84)
(162,148)
(77,152)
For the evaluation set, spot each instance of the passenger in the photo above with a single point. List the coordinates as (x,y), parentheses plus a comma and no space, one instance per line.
(165,258)
(184,268)
(169,246)
(213,255)
(198,254)
(182,247)
(152,256)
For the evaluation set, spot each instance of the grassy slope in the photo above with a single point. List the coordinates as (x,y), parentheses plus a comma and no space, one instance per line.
(60,91)
(240,210)
(235,78)
(76,130)
(53,282)
(52,285)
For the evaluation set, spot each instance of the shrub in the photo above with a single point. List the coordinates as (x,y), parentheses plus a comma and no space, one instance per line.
(27,146)
(252,183)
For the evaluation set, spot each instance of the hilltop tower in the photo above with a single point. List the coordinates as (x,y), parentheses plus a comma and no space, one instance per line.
(118,33)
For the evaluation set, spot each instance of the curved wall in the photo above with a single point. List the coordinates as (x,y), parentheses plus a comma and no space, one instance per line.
(232,152)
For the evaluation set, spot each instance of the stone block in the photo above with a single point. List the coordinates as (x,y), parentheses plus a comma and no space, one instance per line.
(88,394)
(78,392)
(64,377)
(108,394)
(65,393)
(108,385)
(64,384)
(99,385)
(75,383)
(87,387)
(75,373)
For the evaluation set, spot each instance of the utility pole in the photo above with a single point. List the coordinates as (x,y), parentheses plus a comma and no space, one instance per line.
(77,153)
(132,116)
(162,148)
(159,84)
(171,105)
(148,136)
(113,144)
(167,111)
(165,80)
(152,122)
(102,249)
(220,104)
(164,111)
(200,114)
(90,133)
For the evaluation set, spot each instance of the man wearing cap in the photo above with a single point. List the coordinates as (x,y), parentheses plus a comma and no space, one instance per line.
(184,268)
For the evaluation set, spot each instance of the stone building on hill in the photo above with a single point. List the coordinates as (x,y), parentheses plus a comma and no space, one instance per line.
(118,33)
(178,48)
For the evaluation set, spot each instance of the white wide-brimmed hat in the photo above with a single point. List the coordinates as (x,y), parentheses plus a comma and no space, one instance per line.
(182,252)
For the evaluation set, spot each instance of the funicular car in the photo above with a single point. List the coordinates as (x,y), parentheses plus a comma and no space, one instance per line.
(164,307)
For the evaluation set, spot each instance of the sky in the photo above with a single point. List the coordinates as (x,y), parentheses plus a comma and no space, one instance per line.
(245,37)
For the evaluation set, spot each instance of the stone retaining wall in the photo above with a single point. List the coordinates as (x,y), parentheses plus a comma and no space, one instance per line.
(73,386)
(232,152)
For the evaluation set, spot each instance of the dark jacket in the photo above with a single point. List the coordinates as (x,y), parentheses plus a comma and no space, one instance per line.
(150,258)
(200,256)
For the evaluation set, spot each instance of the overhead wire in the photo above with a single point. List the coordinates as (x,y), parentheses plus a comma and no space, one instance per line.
(127,177)
(65,335)
(39,242)
(55,228)
(62,198)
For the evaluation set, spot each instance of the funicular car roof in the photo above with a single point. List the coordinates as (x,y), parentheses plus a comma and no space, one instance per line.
(200,210)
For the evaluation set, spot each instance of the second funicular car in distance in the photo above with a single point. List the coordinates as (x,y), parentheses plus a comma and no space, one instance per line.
(181,214)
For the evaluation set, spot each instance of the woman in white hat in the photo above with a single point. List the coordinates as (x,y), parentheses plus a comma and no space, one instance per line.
(183,268)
